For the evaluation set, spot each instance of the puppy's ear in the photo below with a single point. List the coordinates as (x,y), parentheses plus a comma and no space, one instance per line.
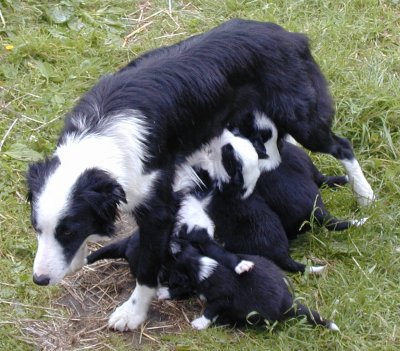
(232,165)
(102,192)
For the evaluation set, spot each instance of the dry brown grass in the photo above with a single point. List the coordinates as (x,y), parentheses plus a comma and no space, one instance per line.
(77,320)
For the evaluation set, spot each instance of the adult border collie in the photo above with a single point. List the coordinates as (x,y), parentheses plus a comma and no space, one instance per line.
(121,142)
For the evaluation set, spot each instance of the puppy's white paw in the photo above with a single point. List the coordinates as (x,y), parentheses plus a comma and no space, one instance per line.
(316,270)
(244,266)
(359,222)
(163,293)
(126,317)
(201,323)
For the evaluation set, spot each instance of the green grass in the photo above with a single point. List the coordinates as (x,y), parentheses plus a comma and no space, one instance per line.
(49,65)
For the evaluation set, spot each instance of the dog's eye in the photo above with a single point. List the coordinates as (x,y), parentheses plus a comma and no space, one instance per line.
(67,233)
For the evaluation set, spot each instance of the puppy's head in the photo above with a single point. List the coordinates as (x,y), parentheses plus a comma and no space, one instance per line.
(67,210)
(240,160)
(191,267)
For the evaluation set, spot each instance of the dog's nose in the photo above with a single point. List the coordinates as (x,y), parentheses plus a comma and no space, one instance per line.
(41,279)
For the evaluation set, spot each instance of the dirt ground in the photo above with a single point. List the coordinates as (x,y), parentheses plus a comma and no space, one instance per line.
(78,318)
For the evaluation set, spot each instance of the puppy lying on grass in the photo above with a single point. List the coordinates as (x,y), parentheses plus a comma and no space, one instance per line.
(230,296)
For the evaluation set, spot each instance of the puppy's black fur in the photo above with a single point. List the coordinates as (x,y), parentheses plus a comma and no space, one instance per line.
(292,192)
(231,297)
(248,226)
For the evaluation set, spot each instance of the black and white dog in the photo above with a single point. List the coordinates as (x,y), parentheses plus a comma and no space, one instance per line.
(231,298)
(122,141)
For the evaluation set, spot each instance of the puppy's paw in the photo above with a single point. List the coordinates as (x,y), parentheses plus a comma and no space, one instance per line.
(359,222)
(316,270)
(201,323)
(163,293)
(244,266)
(126,317)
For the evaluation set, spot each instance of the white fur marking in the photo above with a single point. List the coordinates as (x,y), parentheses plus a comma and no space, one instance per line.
(207,267)
(274,157)
(247,155)
(244,266)
(359,222)
(201,323)
(360,185)
(288,138)
(50,261)
(334,327)
(163,293)
(118,149)
(192,213)
(132,312)
(316,270)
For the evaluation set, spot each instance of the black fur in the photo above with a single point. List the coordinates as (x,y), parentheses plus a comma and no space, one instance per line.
(248,226)
(231,297)
(292,192)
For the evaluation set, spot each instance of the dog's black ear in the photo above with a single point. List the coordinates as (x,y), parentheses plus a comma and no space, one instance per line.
(102,192)
(38,173)
(232,165)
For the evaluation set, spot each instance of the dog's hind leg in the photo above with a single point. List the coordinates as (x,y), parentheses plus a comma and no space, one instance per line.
(321,139)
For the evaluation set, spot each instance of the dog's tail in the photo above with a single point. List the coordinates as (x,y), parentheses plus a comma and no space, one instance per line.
(313,317)
(113,250)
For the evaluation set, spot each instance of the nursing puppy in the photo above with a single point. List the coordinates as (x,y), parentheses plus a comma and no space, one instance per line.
(290,183)
(232,297)
(121,143)
(249,226)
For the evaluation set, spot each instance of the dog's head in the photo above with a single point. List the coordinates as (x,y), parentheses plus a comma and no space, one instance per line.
(191,267)
(67,210)
(243,154)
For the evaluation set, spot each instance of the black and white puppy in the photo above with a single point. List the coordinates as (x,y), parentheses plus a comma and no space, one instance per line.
(249,226)
(128,249)
(231,298)
(290,183)
(122,141)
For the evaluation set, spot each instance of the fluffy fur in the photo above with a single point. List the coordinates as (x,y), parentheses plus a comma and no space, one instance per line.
(133,127)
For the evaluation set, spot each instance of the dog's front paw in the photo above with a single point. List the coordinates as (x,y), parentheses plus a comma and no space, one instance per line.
(126,317)
(244,266)
(201,323)
(163,293)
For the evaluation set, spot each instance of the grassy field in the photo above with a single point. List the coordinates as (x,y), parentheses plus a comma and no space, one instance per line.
(50,54)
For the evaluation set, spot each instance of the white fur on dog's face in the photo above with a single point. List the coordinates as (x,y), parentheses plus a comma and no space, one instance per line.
(248,157)
(262,122)
(209,158)
(116,149)
(50,259)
